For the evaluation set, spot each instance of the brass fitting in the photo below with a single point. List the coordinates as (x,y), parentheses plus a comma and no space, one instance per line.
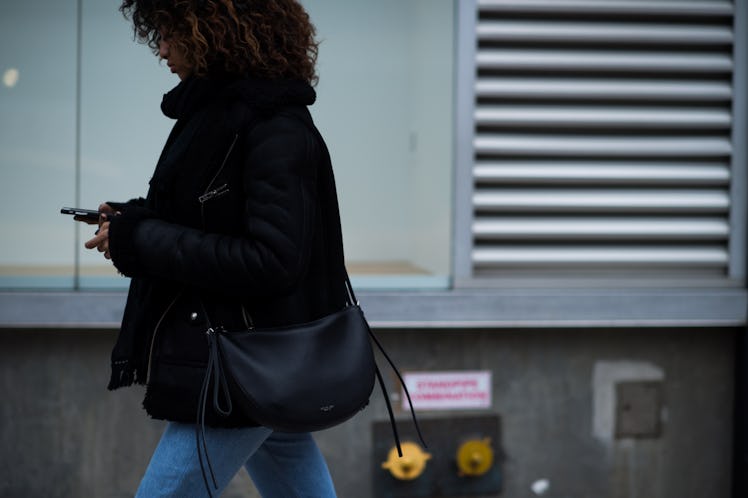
(474,457)
(410,465)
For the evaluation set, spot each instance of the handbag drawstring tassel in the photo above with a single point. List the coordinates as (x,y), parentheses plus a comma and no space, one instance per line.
(220,385)
(387,397)
(380,379)
(389,410)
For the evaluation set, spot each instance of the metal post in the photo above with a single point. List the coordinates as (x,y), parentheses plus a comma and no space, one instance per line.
(466,46)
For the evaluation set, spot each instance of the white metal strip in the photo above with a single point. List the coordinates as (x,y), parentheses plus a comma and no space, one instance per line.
(637,118)
(610,257)
(546,88)
(599,32)
(718,8)
(614,146)
(571,229)
(589,60)
(739,206)
(602,200)
(560,172)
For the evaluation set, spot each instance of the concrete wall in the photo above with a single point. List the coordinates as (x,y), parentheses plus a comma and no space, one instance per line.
(62,434)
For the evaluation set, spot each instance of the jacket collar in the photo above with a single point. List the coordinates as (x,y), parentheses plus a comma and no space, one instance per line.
(193,93)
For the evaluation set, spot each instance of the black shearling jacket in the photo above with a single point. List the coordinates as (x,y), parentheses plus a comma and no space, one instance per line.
(240,225)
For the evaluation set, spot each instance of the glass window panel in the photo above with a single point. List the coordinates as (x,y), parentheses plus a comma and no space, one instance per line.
(385,107)
(37,142)
(122,127)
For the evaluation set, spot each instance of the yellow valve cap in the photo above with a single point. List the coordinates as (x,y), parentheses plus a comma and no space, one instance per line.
(410,465)
(474,457)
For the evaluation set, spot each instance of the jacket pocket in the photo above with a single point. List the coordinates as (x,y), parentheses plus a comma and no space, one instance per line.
(181,338)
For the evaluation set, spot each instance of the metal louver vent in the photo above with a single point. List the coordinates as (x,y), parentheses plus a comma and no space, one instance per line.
(602,137)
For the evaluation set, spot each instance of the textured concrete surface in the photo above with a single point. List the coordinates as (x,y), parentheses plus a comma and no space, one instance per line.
(62,434)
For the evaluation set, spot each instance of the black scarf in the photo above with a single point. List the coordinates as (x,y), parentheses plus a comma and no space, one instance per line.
(130,356)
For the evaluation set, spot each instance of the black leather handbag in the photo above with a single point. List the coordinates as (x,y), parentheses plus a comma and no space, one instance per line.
(298,378)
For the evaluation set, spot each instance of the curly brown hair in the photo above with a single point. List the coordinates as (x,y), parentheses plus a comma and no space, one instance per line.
(264,38)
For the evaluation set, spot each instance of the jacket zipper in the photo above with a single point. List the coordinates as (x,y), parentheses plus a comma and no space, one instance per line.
(248,322)
(216,192)
(155,333)
(223,189)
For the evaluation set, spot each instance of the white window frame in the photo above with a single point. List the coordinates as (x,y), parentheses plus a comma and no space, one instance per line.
(466,52)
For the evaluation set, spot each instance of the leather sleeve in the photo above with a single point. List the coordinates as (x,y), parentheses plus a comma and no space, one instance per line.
(279,176)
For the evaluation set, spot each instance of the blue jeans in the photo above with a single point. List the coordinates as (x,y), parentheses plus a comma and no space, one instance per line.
(280,465)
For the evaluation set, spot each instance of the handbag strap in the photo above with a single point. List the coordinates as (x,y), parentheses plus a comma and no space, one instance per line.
(328,193)
(380,379)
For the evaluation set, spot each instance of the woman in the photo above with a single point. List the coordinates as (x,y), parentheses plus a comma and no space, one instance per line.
(235,229)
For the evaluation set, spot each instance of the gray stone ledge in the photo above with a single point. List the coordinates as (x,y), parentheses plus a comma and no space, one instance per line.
(465,308)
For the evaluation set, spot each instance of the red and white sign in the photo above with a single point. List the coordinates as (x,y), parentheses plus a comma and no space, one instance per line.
(448,390)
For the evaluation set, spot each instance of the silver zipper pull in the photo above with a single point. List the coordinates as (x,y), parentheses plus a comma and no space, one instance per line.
(223,189)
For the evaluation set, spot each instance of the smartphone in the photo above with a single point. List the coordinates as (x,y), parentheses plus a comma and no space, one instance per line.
(88,214)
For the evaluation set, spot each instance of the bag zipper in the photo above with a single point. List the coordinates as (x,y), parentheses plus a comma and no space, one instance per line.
(155,333)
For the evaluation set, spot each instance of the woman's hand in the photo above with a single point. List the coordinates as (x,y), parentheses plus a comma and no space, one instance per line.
(101,239)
